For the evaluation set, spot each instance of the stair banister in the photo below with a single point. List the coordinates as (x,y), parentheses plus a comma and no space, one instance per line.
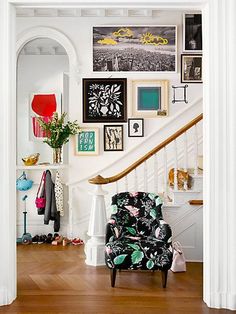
(94,248)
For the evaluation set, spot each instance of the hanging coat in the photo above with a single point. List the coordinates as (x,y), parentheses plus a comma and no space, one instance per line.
(59,194)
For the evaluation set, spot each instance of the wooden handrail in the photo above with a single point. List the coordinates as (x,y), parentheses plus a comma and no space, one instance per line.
(100,180)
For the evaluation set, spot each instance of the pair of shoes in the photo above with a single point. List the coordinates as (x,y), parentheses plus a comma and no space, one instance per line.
(77,241)
(66,241)
(42,239)
(35,239)
(49,238)
(57,240)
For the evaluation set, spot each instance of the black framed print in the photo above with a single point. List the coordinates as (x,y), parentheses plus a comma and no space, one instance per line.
(104,100)
(136,127)
(191,68)
(113,138)
(192,32)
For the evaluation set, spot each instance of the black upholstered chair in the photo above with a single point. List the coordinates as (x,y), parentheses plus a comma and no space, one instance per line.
(137,237)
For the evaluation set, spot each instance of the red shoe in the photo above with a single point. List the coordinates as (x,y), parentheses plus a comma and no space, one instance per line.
(77,241)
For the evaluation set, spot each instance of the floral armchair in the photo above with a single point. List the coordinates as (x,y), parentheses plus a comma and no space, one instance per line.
(137,237)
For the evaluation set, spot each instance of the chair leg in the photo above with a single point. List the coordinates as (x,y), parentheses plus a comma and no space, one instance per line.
(113,276)
(164,274)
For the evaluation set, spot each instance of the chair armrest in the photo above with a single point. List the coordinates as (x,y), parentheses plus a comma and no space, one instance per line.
(113,231)
(163,232)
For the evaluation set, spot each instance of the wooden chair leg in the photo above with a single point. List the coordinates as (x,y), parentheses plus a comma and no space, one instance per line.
(164,274)
(113,276)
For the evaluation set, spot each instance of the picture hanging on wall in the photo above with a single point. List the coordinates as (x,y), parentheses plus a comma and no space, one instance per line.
(87,142)
(113,138)
(192,32)
(104,100)
(150,98)
(136,127)
(134,48)
(191,68)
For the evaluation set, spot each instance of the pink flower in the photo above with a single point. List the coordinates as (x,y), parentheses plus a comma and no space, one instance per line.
(133,194)
(157,232)
(133,238)
(108,250)
(133,210)
(111,221)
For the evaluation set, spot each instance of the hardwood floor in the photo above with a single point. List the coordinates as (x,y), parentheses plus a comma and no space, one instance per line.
(55,279)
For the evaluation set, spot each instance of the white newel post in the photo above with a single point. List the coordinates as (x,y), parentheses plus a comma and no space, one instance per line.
(94,248)
(220,155)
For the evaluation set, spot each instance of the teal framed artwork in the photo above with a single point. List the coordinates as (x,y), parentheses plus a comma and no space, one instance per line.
(150,98)
(87,142)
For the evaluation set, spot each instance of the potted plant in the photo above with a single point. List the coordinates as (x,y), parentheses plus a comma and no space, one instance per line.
(58,132)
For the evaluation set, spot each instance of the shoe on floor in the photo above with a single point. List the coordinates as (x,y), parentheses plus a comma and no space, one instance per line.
(77,241)
(35,239)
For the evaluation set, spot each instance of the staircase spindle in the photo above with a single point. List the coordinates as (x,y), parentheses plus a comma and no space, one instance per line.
(126,184)
(117,187)
(175,167)
(195,150)
(145,183)
(135,180)
(165,188)
(185,158)
(155,173)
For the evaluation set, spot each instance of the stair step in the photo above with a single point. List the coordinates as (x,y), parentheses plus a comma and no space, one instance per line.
(195,202)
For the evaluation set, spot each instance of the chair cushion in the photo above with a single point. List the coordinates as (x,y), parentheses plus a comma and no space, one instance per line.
(130,252)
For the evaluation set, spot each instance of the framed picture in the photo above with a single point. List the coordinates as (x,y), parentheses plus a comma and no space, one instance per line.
(191,68)
(134,48)
(113,138)
(192,32)
(87,142)
(104,100)
(150,98)
(136,127)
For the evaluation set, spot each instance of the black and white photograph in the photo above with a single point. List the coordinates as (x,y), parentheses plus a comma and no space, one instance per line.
(192,32)
(104,100)
(134,48)
(191,68)
(113,138)
(136,127)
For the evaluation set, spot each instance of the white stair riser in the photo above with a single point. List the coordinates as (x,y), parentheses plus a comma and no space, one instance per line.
(182,197)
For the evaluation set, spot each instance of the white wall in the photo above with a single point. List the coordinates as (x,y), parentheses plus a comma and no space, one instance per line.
(79,31)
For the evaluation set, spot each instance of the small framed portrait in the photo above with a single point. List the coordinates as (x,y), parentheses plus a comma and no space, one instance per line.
(192,32)
(87,142)
(136,127)
(113,138)
(191,68)
(150,98)
(104,100)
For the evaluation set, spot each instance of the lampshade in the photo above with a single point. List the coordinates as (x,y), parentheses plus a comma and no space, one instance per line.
(44,104)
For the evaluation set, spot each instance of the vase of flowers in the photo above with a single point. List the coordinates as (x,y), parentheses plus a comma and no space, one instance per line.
(58,133)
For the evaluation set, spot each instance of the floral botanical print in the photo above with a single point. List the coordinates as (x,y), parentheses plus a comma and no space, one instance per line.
(104,100)
(137,237)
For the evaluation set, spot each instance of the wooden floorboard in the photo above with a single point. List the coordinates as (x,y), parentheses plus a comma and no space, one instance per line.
(55,279)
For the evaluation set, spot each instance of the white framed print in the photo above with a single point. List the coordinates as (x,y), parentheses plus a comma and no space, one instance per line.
(136,127)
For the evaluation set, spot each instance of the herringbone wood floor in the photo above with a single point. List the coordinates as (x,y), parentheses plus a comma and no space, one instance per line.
(55,279)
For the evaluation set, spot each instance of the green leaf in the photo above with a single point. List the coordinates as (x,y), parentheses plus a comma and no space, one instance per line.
(134,246)
(152,196)
(153,213)
(158,201)
(131,230)
(150,264)
(114,209)
(137,256)
(119,259)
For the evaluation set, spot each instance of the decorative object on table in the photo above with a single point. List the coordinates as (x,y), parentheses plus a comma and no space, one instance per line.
(179,262)
(192,32)
(134,48)
(26,237)
(87,142)
(191,68)
(43,106)
(177,90)
(23,184)
(104,100)
(183,179)
(58,133)
(113,138)
(40,200)
(150,98)
(31,160)
(136,127)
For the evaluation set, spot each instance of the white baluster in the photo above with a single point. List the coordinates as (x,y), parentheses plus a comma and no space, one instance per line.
(195,150)
(126,184)
(117,187)
(165,188)
(94,248)
(145,183)
(175,167)
(185,158)
(135,180)
(70,218)
(155,173)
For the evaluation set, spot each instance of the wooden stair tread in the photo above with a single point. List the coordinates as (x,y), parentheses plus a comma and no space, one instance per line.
(195,202)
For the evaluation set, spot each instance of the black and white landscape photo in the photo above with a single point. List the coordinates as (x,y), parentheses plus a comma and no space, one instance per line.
(134,48)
